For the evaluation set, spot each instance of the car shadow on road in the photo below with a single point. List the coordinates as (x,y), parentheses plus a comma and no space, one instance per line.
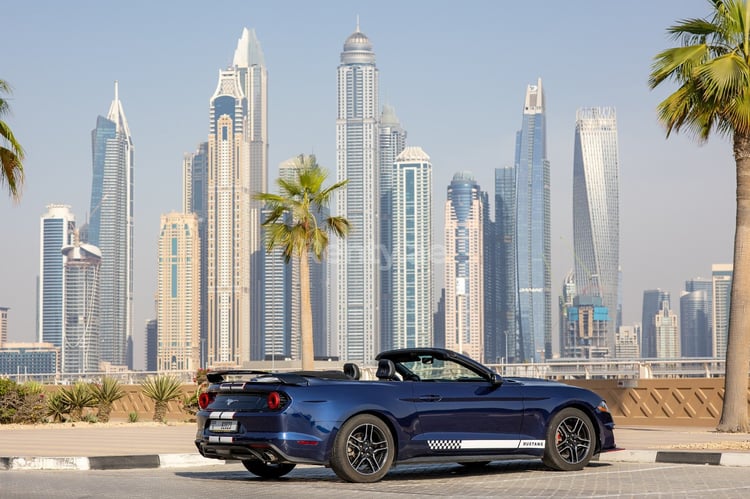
(398,473)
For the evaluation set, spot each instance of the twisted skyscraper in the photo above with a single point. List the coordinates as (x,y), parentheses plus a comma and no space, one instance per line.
(596,214)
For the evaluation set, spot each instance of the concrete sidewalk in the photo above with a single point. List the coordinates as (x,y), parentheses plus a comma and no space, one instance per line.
(152,445)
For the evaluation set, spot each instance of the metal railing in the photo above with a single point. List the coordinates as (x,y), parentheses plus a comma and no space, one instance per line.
(561,369)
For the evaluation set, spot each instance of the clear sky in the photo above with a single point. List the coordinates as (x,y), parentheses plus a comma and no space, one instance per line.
(456,74)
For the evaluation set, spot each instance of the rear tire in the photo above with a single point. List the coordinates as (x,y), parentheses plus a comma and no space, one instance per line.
(363,450)
(267,470)
(570,441)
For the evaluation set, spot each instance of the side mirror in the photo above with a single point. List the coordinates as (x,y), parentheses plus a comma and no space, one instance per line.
(496,380)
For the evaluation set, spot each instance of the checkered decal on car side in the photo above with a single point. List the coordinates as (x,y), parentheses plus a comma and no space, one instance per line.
(439,445)
(444,444)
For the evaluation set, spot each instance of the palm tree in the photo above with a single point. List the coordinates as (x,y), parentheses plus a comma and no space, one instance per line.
(711,67)
(294,225)
(105,394)
(162,390)
(11,152)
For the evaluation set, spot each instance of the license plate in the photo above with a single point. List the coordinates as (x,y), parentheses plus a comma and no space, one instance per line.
(222,426)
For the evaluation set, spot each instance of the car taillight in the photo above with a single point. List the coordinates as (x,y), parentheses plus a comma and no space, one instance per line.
(273,400)
(205,398)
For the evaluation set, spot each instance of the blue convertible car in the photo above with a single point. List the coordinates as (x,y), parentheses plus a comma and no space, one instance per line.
(428,405)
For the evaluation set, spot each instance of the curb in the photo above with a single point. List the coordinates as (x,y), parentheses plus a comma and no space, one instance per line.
(186,460)
(677,457)
(107,462)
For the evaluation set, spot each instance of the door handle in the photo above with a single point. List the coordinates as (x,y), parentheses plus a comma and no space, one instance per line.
(430,398)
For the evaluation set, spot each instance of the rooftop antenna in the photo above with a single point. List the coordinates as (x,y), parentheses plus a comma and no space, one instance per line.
(116,91)
(357,23)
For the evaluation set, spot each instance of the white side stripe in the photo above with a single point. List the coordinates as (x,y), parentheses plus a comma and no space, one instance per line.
(485,444)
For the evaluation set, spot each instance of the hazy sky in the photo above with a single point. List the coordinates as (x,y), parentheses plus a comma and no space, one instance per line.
(456,75)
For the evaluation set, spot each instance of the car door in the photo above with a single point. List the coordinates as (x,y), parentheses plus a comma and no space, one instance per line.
(458,410)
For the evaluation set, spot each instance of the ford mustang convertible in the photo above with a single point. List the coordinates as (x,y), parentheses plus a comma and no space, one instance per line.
(428,405)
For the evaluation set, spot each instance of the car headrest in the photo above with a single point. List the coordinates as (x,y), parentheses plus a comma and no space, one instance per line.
(386,370)
(351,370)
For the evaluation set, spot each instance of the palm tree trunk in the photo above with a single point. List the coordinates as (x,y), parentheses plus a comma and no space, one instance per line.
(734,410)
(306,342)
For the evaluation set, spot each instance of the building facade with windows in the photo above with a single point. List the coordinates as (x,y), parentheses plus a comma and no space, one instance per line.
(721,276)
(533,246)
(464,267)
(57,229)
(81,343)
(411,237)
(391,142)
(596,208)
(178,302)
(110,229)
(357,291)
(228,226)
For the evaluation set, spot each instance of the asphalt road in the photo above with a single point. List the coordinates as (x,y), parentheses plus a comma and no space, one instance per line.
(509,479)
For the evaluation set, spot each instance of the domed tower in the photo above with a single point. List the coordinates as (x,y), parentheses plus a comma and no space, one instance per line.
(357,161)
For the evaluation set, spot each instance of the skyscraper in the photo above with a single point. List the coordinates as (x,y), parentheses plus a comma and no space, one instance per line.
(464,267)
(110,228)
(357,273)
(391,140)
(505,261)
(566,302)
(250,65)
(57,231)
(533,249)
(494,348)
(721,275)
(596,219)
(80,349)
(667,331)
(178,309)
(653,300)
(695,318)
(228,226)
(195,200)
(3,325)
(411,237)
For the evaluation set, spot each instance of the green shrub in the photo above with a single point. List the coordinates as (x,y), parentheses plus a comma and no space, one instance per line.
(22,403)
(133,417)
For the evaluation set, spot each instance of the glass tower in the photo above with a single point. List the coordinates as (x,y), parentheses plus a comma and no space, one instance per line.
(357,270)
(111,230)
(505,262)
(464,267)
(392,140)
(695,319)
(721,275)
(57,231)
(653,301)
(250,65)
(195,200)
(596,219)
(80,352)
(533,250)
(411,235)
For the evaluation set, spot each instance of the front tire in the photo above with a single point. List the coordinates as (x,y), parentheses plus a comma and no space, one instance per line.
(570,441)
(363,451)
(267,470)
